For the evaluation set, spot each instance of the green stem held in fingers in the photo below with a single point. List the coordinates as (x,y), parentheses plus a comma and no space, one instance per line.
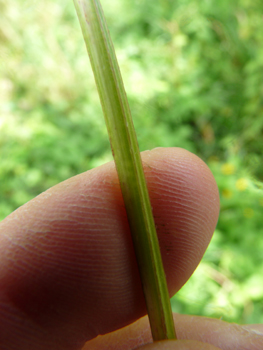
(129,166)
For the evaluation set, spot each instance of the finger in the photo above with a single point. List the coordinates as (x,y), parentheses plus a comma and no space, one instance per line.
(178,345)
(68,270)
(217,333)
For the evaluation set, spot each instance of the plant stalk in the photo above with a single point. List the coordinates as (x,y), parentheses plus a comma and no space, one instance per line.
(129,166)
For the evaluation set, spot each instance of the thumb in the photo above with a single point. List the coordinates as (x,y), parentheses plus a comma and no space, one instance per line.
(178,345)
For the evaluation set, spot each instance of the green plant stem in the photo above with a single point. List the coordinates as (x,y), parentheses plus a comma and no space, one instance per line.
(129,166)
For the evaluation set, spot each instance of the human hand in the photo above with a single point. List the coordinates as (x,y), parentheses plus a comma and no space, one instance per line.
(68,271)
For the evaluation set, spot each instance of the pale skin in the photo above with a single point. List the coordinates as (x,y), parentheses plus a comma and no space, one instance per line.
(68,271)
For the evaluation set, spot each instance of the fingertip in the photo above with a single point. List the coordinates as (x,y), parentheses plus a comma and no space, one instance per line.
(185,202)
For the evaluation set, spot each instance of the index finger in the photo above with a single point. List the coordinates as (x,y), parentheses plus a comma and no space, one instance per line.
(68,270)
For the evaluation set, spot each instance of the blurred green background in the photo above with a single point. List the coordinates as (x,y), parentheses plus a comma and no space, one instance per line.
(193,72)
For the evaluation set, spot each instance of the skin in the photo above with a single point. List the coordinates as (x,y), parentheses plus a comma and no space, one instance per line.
(68,274)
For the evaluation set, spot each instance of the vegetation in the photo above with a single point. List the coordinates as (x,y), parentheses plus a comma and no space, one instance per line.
(193,74)
(128,163)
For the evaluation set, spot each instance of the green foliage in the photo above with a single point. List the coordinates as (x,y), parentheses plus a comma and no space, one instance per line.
(193,75)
